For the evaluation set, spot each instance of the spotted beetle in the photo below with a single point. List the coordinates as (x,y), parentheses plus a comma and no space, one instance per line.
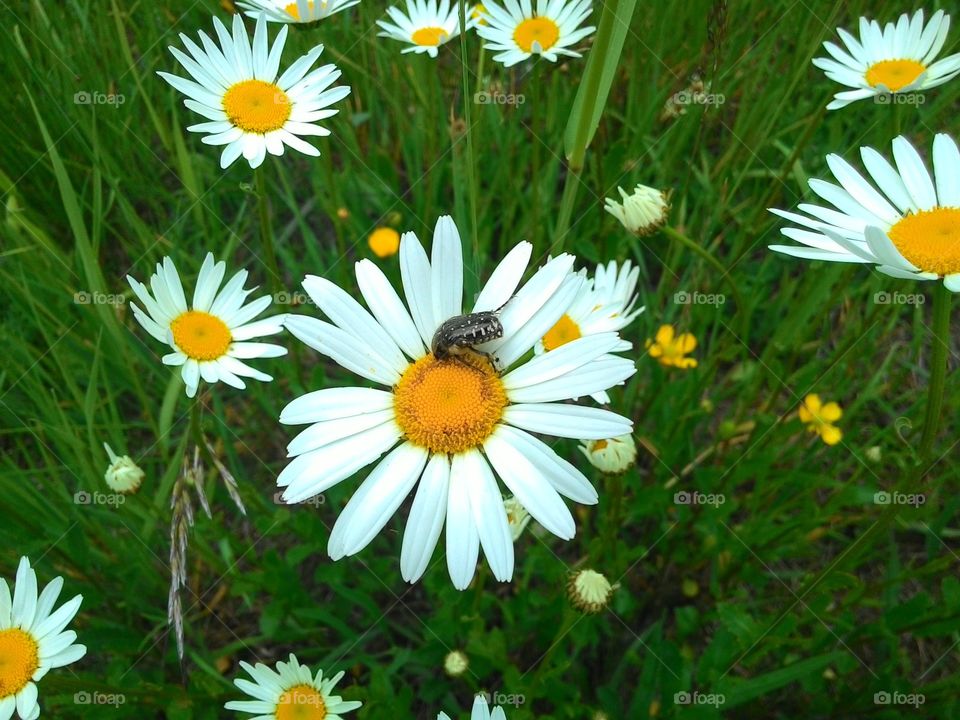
(461,333)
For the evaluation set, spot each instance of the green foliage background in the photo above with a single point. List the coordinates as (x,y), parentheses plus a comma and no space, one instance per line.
(783,598)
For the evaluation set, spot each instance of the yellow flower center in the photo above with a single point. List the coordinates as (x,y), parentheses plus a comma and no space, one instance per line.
(301,702)
(384,242)
(429,36)
(294,10)
(19,660)
(450,405)
(200,335)
(256,106)
(541,30)
(930,239)
(564,331)
(894,74)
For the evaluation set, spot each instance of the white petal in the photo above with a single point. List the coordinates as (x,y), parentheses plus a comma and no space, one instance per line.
(505,279)
(388,309)
(344,348)
(914,173)
(415,274)
(334,403)
(570,421)
(489,515)
(426,519)
(463,540)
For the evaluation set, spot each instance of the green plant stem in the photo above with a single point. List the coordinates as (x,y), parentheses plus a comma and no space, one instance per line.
(468,121)
(577,155)
(938,373)
(266,232)
(679,237)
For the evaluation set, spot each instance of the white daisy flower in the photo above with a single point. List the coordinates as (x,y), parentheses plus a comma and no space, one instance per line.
(604,304)
(210,336)
(611,455)
(481,711)
(427,25)
(457,420)
(295,11)
(893,59)
(33,640)
(516,31)
(906,222)
(290,691)
(250,110)
(642,212)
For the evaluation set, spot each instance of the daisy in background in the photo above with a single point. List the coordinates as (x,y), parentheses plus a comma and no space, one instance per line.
(291,691)
(605,304)
(516,31)
(893,59)
(295,11)
(33,640)
(481,711)
(905,222)
(426,26)
(449,424)
(250,110)
(210,336)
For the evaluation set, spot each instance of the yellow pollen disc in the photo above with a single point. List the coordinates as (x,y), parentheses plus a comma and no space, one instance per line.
(930,239)
(429,36)
(200,335)
(301,702)
(19,660)
(540,30)
(894,74)
(451,405)
(566,330)
(256,106)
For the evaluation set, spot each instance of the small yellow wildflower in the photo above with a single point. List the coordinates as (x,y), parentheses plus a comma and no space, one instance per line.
(384,242)
(819,418)
(669,348)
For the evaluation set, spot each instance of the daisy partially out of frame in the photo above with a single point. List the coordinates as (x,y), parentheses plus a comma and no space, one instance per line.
(249,109)
(481,711)
(295,11)
(906,222)
(211,336)
(291,692)
(33,640)
(425,26)
(895,58)
(518,29)
(449,423)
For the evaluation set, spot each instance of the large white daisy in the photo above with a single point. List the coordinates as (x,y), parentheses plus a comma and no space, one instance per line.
(210,336)
(892,59)
(604,304)
(481,711)
(425,26)
(516,31)
(33,640)
(457,420)
(906,222)
(291,692)
(250,110)
(295,11)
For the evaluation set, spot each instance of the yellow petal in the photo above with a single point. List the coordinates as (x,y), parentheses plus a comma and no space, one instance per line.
(686,343)
(655,351)
(831,412)
(665,334)
(812,402)
(831,434)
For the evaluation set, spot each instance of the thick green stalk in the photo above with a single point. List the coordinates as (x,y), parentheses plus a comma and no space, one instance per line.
(938,373)
(468,121)
(266,232)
